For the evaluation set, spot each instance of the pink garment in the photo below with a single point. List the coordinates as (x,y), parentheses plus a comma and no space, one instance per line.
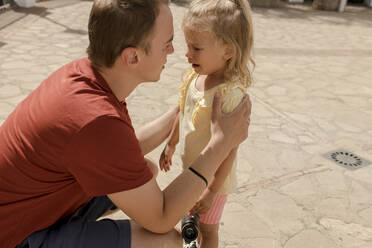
(213,216)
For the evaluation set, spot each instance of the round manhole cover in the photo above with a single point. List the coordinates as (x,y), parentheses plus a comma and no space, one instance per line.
(346,158)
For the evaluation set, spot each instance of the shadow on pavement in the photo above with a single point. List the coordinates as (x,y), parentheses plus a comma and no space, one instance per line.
(182,3)
(356,14)
(36,10)
(43,13)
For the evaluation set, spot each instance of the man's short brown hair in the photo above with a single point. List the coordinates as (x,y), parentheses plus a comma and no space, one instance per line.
(117,24)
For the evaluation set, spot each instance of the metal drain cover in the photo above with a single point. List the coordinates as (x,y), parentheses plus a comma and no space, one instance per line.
(347,159)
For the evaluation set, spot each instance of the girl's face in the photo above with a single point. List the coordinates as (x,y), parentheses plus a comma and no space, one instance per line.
(205,54)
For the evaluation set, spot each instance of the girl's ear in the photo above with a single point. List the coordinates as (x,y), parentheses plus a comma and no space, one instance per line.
(229,52)
(129,56)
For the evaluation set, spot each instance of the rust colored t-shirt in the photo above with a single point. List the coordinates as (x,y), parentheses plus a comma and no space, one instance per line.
(71,139)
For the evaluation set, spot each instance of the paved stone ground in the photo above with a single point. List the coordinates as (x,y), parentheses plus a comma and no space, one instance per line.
(312,95)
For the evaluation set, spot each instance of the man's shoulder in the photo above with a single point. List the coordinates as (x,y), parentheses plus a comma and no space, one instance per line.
(80,68)
(77,94)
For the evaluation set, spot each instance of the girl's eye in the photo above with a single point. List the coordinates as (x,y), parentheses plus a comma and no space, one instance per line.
(191,47)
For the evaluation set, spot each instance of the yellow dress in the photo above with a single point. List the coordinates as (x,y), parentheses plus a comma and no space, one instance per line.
(195,119)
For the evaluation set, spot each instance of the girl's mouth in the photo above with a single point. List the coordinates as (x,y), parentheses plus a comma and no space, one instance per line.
(195,65)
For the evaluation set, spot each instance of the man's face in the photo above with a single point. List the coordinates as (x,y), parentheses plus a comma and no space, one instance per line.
(161,38)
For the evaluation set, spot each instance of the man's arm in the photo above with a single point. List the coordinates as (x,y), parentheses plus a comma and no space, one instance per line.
(152,134)
(159,211)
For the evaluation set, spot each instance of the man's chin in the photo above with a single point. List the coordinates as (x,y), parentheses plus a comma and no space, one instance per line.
(153,80)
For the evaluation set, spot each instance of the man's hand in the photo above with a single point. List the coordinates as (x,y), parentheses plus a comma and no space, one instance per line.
(205,202)
(231,128)
(165,160)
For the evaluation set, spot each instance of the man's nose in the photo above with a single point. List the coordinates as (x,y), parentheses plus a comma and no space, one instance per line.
(171,49)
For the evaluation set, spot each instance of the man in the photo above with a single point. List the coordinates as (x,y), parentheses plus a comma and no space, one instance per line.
(70,143)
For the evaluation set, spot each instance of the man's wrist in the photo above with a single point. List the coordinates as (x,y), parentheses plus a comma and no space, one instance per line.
(218,143)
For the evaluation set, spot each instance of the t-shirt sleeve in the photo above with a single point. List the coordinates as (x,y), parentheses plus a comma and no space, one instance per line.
(231,99)
(105,157)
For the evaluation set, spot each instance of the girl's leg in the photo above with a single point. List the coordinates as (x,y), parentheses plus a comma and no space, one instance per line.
(209,222)
(209,233)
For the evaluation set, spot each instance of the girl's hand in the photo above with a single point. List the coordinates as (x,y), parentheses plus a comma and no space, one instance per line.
(165,160)
(205,202)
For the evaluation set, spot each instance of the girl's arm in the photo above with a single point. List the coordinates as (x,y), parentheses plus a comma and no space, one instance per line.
(223,171)
(230,102)
(165,160)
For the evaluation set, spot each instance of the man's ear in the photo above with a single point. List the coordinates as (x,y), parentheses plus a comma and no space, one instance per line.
(229,52)
(129,56)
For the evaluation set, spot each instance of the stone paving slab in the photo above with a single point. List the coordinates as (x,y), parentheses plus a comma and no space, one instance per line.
(9,17)
(312,94)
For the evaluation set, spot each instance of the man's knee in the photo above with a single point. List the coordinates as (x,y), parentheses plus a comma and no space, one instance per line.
(173,238)
(143,238)
(153,167)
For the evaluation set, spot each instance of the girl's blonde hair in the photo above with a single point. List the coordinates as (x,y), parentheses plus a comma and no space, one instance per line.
(231,23)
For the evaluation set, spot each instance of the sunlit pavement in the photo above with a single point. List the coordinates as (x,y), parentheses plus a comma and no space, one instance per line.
(312,98)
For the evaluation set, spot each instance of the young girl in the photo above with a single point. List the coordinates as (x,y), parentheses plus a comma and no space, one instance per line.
(219,40)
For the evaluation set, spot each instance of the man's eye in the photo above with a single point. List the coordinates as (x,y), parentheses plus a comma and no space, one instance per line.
(165,48)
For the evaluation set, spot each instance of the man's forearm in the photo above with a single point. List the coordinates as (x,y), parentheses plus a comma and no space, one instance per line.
(152,134)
